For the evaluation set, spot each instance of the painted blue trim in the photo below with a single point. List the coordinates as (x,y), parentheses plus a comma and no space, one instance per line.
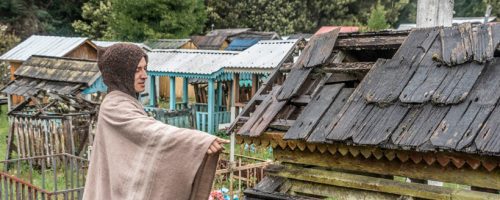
(172,93)
(185,83)
(97,86)
(211,102)
(219,93)
(152,91)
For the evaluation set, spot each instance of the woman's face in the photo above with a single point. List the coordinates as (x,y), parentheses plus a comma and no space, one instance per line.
(140,76)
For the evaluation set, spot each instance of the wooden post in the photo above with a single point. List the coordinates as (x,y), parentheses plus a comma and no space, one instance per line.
(255,83)
(219,94)
(211,105)
(235,96)
(172,92)
(431,13)
(185,91)
(152,91)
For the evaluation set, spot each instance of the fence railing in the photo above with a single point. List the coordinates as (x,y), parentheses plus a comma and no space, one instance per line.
(179,118)
(60,176)
(218,117)
(203,107)
(245,173)
(49,135)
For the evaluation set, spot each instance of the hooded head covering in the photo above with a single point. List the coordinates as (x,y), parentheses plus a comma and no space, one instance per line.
(118,64)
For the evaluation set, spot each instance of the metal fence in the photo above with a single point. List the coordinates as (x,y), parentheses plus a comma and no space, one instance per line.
(60,176)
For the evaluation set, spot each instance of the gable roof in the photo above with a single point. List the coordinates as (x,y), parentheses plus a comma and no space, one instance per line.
(209,42)
(43,45)
(63,75)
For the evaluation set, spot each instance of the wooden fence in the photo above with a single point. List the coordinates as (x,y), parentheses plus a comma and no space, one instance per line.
(49,135)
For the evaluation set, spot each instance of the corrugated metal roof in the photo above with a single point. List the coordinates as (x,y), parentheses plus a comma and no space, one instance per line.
(168,43)
(241,44)
(227,32)
(188,61)
(109,43)
(43,45)
(266,54)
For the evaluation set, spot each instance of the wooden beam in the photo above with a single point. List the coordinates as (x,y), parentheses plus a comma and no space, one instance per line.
(255,83)
(367,183)
(346,67)
(370,42)
(236,88)
(479,177)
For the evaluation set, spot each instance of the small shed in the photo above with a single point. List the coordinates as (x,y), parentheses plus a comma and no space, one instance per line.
(345,127)
(54,117)
(217,42)
(172,44)
(65,76)
(193,64)
(70,47)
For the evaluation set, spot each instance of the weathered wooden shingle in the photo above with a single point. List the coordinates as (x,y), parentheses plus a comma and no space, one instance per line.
(387,81)
(313,112)
(321,130)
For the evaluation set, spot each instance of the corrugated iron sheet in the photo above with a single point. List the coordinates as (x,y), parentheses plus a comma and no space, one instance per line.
(43,45)
(266,54)
(109,43)
(241,44)
(188,61)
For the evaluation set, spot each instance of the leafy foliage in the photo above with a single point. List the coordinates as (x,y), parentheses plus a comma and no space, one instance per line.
(96,15)
(377,19)
(154,19)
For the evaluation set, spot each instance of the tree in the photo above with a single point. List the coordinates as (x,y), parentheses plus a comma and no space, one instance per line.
(96,15)
(291,16)
(7,41)
(377,19)
(154,19)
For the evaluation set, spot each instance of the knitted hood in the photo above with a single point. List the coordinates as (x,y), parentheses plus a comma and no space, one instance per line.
(118,64)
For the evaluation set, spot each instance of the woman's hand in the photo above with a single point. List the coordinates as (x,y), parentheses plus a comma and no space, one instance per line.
(217,146)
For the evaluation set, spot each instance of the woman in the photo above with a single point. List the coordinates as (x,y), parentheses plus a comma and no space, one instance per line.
(136,157)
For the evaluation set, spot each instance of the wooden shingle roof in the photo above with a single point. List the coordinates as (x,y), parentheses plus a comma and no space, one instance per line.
(439,92)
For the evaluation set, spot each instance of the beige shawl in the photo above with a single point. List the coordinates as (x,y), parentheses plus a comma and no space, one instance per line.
(136,157)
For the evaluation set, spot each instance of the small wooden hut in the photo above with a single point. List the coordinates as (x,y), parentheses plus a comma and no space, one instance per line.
(70,47)
(354,114)
(54,116)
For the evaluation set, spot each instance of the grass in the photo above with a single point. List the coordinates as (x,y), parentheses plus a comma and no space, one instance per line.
(4,131)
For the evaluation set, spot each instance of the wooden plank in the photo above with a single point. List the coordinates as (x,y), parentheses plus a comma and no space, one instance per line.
(418,126)
(488,139)
(269,184)
(255,84)
(479,177)
(258,113)
(482,47)
(318,50)
(267,117)
(379,124)
(456,44)
(347,67)
(370,42)
(342,179)
(320,132)
(301,100)
(457,83)
(313,112)
(462,123)
(282,124)
(293,82)
(387,81)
